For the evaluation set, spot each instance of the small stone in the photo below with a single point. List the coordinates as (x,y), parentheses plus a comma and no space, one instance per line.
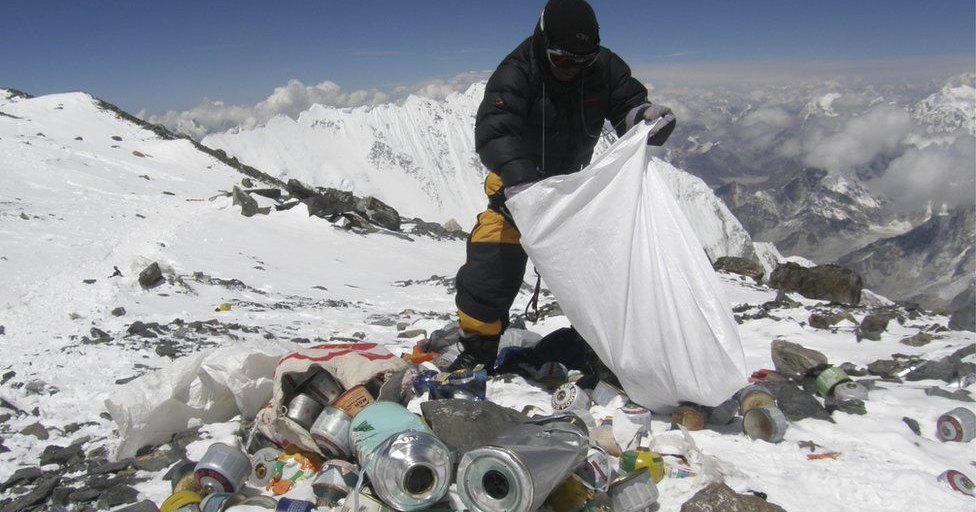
(872,326)
(157,460)
(412,333)
(119,311)
(55,454)
(21,476)
(37,495)
(913,425)
(852,370)
(111,467)
(84,495)
(99,334)
(249,205)
(918,340)
(961,395)
(720,497)
(832,404)
(247,182)
(886,368)
(402,325)
(167,351)
(793,360)
(151,276)
(2,330)
(142,506)
(89,281)
(826,321)
(116,138)
(7,376)
(37,430)
(116,496)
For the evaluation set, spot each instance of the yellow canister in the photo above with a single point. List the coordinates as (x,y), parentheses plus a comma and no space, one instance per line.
(180,499)
(571,496)
(632,460)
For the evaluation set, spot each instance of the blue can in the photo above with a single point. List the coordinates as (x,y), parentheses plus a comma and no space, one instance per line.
(290,505)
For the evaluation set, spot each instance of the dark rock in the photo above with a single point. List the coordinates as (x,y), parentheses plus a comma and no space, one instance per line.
(872,326)
(116,138)
(299,190)
(718,497)
(823,282)
(412,333)
(793,360)
(355,222)
(330,202)
(167,350)
(846,406)
(99,334)
(71,428)
(795,403)
(38,387)
(886,368)
(852,370)
(741,266)
(435,231)
(60,455)
(3,449)
(960,394)
(111,467)
(156,460)
(142,506)
(7,376)
(465,424)
(270,193)
(249,205)
(247,182)
(44,487)
(37,430)
(89,281)
(126,380)
(286,206)
(151,276)
(139,154)
(918,340)
(379,213)
(3,330)
(21,476)
(963,317)
(826,321)
(116,496)
(947,369)
(138,328)
(382,321)
(84,495)
(913,425)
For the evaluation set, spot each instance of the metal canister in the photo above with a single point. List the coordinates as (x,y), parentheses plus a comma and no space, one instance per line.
(643,458)
(331,432)
(408,466)
(957,425)
(570,397)
(957,482)
(635,492)
(215,502)
(261,501)
(723,413)
(355,399)
(552,374)
(323,388)
(636,414)
(850,390)
(570,496)
(362,502)
(690,416)
(754,395)
(303,409)
(290,505)
(336,480)
(262,466)
(181,500)
(518,470)
(222,469)
(597,471)
(829,378)
(604,394)
(766,423)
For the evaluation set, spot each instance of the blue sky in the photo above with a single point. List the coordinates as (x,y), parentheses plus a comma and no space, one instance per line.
(169,55)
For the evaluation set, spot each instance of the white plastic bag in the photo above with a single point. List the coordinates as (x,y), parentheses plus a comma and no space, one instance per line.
(626,268)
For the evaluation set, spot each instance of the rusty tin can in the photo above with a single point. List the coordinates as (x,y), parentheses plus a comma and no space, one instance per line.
(354,400)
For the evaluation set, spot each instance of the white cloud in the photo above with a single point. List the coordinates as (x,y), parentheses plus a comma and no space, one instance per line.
(937,173)
(860,140)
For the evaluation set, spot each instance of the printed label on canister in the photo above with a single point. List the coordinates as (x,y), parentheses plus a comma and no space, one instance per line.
(829,378)
(958,425)
(958,482)
(262,466)
(570,397)
(640,416)
(354,400)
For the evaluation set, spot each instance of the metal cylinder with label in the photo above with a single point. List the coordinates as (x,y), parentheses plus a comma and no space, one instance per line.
(957,425)
(635,492)
(957,482)
(355,399)
(643,458)
(766,423)
(518,470)
(829,378)
(754,395)
(637,415)
(336,480)
(323,388)
(331,433)
(303,409)
(850,390)
(223,468)
(262,466)
(570,397)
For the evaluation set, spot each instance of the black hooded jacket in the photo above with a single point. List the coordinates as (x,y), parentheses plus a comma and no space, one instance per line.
(523,101)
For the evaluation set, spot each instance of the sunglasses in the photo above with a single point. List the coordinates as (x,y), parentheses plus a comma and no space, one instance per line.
(568,60)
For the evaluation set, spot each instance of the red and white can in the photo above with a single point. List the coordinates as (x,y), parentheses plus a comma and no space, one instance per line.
(957,425)
(958,482)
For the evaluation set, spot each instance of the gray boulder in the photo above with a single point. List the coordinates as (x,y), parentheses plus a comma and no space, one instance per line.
(151,276)
(249,205)
(741,266)
(823,282)
(947,369)
(872,326)
(794,360)
(379,213)
(718,497)
(917,340)
(465,424)
(828,320)
(796,403)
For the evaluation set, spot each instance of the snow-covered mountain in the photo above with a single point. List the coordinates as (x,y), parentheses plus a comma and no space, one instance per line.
(952,108)
(90,198)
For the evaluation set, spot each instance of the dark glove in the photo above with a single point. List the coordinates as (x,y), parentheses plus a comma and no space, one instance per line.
(659,115)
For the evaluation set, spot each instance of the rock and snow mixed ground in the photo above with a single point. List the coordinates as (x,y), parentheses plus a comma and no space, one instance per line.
(85,193)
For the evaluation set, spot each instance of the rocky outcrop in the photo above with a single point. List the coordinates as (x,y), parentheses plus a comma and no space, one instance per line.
(823,282)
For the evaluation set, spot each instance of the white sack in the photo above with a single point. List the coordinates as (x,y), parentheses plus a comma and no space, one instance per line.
(211,386)
(626,268)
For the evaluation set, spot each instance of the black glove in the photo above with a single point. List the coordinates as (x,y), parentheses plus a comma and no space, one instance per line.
(659,115)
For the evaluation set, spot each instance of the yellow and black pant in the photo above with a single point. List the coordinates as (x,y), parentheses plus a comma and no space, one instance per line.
(490,278)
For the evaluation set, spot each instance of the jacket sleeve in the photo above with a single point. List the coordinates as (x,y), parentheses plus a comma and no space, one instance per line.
(500,124)
(626,92)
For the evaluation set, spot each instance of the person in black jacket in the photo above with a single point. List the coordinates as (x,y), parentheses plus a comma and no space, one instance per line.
(542,114)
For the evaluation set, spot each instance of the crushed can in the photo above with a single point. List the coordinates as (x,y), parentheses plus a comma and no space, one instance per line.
(754,395)
(828,379)
(570,397)
(957,482)
(355,399)
(290,505)
(635,492)
(597,471)
(850,390)
(331,433)
(643,458)
(690,416)
(180,501)
(518,470)
(337,479)
(552,375)
(570,496)
(766,423)
(223,468)
(303,409)
(262,466)
(724,413)
(323,388)
(957,425)
(410,468)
